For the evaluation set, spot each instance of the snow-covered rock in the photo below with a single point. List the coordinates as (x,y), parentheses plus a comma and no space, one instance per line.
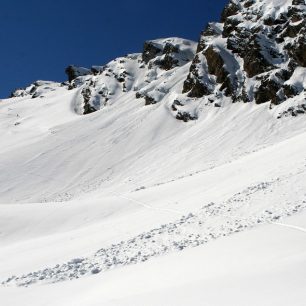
(256,53)
(150,75)
(37,89)
(166,192)
(253,54)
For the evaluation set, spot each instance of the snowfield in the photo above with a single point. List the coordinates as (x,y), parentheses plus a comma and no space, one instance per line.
(119,188)
(150,211)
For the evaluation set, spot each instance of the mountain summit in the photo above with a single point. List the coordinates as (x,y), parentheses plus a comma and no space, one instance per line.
(256,53)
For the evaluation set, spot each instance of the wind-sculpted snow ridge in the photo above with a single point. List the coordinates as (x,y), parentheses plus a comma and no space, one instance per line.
(212,221)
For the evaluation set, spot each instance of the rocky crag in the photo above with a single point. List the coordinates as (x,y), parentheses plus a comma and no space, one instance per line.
(255,54)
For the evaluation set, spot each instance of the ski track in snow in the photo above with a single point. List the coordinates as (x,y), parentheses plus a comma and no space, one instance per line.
(192,230)
(298,228)
(145,205)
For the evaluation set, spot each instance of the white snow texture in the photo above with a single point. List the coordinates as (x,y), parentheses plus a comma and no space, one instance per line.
(126,205)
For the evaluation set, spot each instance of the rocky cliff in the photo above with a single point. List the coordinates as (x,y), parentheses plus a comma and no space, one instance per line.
(256,53)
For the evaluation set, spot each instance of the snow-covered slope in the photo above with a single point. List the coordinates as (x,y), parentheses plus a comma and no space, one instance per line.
(141,182)
(263,266)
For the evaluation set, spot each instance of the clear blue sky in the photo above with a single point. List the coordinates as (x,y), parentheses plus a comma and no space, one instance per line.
(40,38)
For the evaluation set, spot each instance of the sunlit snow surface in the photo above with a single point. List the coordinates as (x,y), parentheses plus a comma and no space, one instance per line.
(129,206)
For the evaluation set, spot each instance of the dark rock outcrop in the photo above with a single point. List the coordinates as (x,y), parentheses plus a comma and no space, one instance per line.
(73,72)
(293,111)
(215,64)
(168,62)
(229,10)
(267,91)
(150,51)
(252,38)
(86,93)
(298,2)
(255,54)
(194,85)
(167,54)
(254,61)
(149,100)
(195,88)
(185,116)
(297,50)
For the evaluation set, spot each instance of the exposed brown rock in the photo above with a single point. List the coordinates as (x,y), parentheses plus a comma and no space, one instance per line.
(254,62)
(86,93)
(149,51)
(149,100)
(216,67)
(230,10)
(267,91)
(195,88)
(194,85)
(169,48)
(290,91)
(230,25)
(215,64)
(184,116)
(167,63)
(292,30)
(298,2)
(298,50)
(73,72)
(249,3)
